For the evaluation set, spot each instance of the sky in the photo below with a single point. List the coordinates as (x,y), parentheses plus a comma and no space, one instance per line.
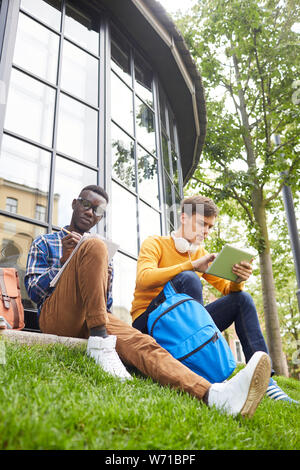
(174,5)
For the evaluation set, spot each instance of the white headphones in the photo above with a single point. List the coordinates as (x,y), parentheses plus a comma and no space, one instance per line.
(182,245)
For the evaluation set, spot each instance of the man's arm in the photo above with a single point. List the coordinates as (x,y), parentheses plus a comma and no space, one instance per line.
(149,275)
(39,272)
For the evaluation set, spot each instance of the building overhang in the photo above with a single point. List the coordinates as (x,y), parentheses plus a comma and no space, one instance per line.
(150,26)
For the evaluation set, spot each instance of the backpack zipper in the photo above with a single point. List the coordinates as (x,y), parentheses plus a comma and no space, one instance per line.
(213,339)
(166,311)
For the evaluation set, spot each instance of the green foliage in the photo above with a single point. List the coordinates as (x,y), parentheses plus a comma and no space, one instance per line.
(57,398)
(247,49)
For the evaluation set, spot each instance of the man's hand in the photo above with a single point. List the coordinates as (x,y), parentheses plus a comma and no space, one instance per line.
(68,244)
(202,264)
(243,270)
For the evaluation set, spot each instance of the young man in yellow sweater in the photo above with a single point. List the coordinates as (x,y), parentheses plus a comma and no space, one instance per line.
(182,258)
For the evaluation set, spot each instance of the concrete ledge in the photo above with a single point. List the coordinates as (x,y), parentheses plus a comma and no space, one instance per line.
(26,337)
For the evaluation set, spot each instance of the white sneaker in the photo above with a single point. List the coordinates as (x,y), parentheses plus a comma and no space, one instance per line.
(243,393)
(103,351)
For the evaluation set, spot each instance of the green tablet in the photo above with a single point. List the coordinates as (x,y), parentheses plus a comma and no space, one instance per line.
(228,256)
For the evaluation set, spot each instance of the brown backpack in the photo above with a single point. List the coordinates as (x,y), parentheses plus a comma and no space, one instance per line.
(11,308)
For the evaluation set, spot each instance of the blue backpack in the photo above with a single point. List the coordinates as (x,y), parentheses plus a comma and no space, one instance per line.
(182,326)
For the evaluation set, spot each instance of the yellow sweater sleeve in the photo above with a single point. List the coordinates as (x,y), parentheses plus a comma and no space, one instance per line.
(222,285)
(149,275)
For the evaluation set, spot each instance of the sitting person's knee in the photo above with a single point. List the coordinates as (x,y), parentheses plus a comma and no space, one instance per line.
(244,296)
(188,276)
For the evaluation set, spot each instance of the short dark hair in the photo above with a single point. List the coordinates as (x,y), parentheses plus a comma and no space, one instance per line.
(96,189)
(193,202)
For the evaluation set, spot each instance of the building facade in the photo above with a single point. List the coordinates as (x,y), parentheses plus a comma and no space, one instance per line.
(94,92)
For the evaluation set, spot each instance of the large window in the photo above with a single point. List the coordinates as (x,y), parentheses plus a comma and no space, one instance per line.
(137,203)
(78,113)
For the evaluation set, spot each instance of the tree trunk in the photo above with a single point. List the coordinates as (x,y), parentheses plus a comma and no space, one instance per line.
(274,342)
(279,362)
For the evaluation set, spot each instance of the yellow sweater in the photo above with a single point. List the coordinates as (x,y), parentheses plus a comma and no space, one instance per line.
(158,263)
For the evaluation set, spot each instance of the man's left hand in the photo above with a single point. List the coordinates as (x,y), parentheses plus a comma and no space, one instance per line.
(243,270)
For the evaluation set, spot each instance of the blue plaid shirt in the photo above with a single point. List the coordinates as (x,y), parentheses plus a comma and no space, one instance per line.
(43,263)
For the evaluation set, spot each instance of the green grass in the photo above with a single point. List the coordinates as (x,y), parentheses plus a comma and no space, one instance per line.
(57,398)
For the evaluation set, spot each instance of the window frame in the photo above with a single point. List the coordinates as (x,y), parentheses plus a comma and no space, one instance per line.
(9,14)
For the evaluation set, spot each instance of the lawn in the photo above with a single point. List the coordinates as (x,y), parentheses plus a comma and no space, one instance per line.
(53,397)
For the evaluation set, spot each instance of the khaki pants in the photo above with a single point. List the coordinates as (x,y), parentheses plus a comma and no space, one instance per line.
(78,303)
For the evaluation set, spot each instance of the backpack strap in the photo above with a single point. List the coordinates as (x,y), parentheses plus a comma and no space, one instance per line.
(5,297)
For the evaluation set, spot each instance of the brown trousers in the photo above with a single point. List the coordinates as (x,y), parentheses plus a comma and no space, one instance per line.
(78,303)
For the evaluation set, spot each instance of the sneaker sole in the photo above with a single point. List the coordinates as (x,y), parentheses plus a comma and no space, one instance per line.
(258,386)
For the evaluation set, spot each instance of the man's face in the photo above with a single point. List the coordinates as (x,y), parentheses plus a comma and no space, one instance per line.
(84,217)
(195,228)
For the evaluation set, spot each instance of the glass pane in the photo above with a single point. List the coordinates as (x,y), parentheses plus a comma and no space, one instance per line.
(15,240)
(123,167)
(171,126)
(145,126)
(177,212)
(149,222)
(25,173)
(175,169)
(162,108)
(120,55)
(79,73)
(148,177)
(36,49)
(81,28)
(168,193)
(77,130)
(143,81)
(121,104)
(30,108)
(69,180)
(48,11)
(165,150)
(124,223)
(123,286)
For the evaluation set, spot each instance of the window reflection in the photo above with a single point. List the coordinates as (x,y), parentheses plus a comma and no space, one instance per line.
(25,171)
(168,191)
(11,205)
(148,177)
(124,223)
(123,167)
(165,151)
(79,73)
(145,126)
(162,108)
(48,11)
(175,169)
(143,81)
(149,222)
(77,130)
(15,240)
(121,104)
(36,49)
(69,179)
(80,27)
(120,55)
(30,108)
(171,126)
(123,286)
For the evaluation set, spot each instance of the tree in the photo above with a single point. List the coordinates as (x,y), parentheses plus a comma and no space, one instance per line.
(248,48)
